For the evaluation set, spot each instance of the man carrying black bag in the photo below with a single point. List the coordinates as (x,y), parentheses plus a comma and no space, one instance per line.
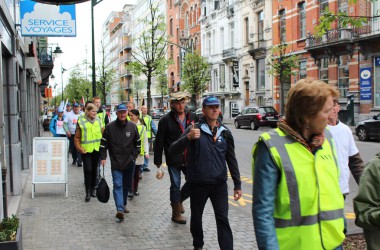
(122,141)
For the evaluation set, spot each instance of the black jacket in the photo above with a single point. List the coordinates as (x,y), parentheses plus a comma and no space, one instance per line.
(169,130)
(123,144)
(207,156)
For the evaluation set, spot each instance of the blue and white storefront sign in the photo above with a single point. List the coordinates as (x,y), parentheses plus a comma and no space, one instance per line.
(365,84)
(39,19)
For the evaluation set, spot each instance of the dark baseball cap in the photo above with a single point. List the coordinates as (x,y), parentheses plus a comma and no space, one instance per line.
(121,107)
(76,104)
(211,101)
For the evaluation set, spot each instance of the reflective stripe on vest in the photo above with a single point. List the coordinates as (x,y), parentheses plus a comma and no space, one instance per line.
(90,141)
(316,222)
(102,117)
(141,129)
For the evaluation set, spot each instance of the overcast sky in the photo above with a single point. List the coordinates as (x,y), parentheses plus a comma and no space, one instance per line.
(74,48)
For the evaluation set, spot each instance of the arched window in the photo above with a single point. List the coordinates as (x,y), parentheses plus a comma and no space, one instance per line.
(196,14)
(191,16)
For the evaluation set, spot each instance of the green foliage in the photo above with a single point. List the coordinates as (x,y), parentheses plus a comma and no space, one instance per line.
(150,46)
(162,86)
(8,228)
(78,86)
(328,18)
(282,63)
(196,75)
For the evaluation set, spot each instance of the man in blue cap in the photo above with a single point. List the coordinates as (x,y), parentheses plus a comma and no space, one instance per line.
(122,140)
(209,146)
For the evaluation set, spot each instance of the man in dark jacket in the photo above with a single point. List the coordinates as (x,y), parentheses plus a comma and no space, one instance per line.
(122,141)
(209,145)
(170,128)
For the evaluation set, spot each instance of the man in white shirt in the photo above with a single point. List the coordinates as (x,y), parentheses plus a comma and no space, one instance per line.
(348,154)
(70,124)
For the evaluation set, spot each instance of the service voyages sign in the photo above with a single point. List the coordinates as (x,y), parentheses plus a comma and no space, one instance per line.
(39,19)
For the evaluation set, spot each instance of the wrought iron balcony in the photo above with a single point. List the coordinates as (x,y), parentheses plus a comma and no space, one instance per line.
(229,53)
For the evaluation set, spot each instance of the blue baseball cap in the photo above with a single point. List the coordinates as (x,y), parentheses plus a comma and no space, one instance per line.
(121,107)
(68,104)
(76,104)
(210,101)
(60,110)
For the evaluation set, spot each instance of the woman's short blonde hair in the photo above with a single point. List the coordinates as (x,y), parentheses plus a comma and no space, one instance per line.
(305,99)
(90,107)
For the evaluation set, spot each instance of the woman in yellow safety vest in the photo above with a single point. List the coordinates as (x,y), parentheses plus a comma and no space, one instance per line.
(134,115)
(297,203)
(87,141)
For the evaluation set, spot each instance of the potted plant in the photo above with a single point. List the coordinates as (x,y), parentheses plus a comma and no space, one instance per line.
(10,233)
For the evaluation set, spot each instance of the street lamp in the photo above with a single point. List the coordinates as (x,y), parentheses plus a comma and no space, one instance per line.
(62,71)
(93,3)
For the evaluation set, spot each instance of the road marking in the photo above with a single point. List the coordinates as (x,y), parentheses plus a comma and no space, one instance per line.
(242,202)
(244,179)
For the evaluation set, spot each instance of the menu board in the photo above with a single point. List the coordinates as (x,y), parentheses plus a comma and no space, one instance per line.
(49,160)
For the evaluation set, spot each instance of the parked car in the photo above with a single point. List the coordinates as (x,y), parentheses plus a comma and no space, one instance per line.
(157,113)
(256,117)
(199,114)
(368,129)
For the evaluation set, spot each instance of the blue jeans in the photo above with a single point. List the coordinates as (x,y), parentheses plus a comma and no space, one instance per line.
(146,160)
(176,193)
(121,180)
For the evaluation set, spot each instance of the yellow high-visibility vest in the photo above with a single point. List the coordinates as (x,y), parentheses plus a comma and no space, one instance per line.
(309,206)
(148,123)
(102,117)
(141,129)
(91,134)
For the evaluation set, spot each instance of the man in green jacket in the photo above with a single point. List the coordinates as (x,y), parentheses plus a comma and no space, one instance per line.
(367,203)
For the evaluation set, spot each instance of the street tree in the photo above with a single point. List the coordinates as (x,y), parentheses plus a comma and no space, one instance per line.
(162,88)
(196,75)
(282,64)
(137,87)
(149,47)
(106,76)
(78,85)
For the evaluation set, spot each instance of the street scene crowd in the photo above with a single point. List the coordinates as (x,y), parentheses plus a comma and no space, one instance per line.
(301,169)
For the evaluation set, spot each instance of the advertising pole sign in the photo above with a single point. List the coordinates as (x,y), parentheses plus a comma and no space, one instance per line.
(48,20)
(365,84)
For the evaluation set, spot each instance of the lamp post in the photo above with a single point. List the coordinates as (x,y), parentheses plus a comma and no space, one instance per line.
(93,3)
(62,71)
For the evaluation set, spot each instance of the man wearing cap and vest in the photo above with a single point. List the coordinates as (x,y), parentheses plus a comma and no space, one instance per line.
(170,128)
(122,140)
(150,128)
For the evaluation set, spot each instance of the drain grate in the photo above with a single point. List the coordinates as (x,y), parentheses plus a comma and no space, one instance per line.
(30,211)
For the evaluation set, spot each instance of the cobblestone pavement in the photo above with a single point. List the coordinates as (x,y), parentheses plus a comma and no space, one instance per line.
(52,221)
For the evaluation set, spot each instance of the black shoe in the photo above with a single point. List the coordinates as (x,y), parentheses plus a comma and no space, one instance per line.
(136,193)
(88,196)
(93,193)
(130,195)
(74,162)
(120,216)
(79,164)
(146,170)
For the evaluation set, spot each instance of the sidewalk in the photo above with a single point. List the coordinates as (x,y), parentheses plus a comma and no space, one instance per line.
(52,221)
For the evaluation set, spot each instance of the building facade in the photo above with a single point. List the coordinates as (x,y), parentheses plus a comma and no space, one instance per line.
(337,57)
(22,80)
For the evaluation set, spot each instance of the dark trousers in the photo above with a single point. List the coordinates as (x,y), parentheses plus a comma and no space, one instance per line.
(136,178)
(218,195)
(74,153)
(90,168)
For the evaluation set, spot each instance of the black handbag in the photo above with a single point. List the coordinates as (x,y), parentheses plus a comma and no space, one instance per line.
(103,191)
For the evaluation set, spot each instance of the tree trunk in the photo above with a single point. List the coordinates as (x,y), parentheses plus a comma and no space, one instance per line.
(194,101)
(149,97)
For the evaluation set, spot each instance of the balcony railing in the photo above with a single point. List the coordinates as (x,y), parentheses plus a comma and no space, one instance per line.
(229,53)
(125,58)
(125,72)
(260,44)
(369,28)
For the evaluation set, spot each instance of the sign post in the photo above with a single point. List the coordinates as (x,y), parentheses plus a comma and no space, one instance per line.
(49,161)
